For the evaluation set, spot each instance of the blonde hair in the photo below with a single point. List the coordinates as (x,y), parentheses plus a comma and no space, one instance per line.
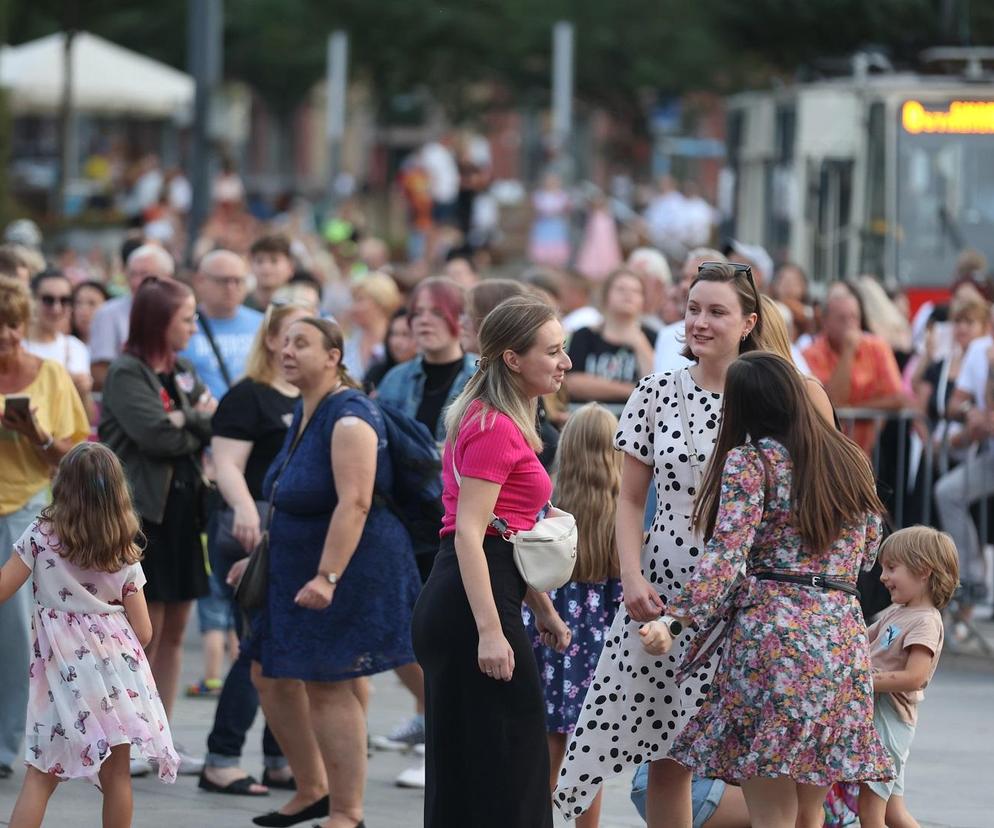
(15,302)
(883,317)
(259,365)
(91,511)
(774,337)
(511,326)
(973,308)
(924,549)
(381,289)
(587,485)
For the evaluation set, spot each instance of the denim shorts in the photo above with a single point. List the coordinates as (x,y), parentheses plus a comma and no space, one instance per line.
(215,611)
(705,794)
(896,735)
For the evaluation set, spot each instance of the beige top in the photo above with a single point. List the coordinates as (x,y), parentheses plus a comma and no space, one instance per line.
(896,630)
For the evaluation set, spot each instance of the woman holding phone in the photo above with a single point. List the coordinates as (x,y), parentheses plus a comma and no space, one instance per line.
(41,418)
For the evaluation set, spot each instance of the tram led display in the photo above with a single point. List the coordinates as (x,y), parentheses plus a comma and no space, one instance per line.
(961,117)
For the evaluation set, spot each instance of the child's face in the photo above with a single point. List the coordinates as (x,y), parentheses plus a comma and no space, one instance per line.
(905,586)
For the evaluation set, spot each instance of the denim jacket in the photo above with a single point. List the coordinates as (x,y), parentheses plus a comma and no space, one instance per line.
(403,387)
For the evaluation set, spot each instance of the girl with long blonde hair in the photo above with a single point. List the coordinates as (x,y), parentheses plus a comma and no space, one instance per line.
(587,485)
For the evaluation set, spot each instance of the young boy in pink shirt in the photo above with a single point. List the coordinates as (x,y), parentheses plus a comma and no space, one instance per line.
(921,572)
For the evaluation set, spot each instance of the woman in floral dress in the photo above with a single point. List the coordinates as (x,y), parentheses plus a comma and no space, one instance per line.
(790,710)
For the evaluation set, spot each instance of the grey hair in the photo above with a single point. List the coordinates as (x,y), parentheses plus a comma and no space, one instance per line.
(155,252)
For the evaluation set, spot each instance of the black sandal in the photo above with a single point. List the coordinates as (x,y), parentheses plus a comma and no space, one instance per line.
(239,787)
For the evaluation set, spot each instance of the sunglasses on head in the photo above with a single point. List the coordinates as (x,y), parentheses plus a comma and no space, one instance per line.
(50,301)
(737,267)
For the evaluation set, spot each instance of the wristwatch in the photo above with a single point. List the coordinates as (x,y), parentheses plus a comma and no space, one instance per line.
(675,627)
(47,444)
(330,577)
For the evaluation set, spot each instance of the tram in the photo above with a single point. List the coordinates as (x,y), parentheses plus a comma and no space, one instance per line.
(881,172)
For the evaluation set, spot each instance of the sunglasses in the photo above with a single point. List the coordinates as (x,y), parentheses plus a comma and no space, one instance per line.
(739,269)
(50,301)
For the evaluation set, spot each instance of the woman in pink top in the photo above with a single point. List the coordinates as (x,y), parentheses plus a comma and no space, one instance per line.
(485,724)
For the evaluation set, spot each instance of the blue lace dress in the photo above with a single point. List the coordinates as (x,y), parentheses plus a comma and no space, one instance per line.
(367,628)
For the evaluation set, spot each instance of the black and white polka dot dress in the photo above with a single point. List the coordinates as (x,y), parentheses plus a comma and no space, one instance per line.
(633,709)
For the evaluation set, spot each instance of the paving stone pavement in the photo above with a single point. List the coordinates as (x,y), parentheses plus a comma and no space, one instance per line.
(948,780)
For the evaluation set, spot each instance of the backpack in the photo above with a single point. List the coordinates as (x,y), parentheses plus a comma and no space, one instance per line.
(416,497)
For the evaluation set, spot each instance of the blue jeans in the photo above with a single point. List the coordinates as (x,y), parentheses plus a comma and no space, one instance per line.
(15,641)
(239,700)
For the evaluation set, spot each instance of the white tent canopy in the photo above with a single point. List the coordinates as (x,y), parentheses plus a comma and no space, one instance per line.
(107,79)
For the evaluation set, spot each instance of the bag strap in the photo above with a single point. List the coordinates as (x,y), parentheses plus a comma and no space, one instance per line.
(286,461)
(206,326)
(688,434)
(496,523)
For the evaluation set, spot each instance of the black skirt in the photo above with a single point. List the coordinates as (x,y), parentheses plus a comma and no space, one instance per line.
(174,561)
(487,760)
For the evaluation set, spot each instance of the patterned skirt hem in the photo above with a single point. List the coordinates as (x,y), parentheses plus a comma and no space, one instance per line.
(166,763)
(808,753)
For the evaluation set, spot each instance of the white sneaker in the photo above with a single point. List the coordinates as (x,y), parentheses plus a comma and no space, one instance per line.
(140,767)
(403,737)
(419,750)
(188,765)
(412,778)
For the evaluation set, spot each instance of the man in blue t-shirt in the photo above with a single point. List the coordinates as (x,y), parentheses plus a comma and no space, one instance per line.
(221,285)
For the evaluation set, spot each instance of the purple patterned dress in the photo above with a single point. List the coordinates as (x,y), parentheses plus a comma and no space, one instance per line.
(792,695)
(588,610)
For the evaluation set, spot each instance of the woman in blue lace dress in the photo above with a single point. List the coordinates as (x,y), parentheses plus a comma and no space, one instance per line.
(342,582)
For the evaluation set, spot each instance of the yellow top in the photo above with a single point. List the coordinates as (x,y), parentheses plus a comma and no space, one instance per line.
(60,413)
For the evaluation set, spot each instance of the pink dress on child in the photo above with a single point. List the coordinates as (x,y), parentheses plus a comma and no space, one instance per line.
(90,686)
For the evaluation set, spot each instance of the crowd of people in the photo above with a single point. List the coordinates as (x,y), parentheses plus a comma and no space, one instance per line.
(711,426)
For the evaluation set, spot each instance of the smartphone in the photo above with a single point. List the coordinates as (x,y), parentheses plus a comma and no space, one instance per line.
(17,404)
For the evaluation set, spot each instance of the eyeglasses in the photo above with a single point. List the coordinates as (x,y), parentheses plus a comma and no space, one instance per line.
(50,301)
(228,281)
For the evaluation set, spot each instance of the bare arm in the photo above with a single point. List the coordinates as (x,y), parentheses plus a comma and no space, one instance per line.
(641,599)
(353,468)
(820,400)
(912,677)
(136,608)
(476,504)
(230,459)
(12,577)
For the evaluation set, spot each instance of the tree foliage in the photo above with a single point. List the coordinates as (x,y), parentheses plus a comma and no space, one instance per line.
(627,52)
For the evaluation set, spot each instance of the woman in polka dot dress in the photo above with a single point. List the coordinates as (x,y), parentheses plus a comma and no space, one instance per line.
(634,709)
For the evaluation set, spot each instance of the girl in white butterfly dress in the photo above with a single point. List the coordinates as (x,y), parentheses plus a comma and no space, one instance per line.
(92,698)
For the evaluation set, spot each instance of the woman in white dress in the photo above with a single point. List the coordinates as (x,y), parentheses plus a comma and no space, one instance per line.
(634,708)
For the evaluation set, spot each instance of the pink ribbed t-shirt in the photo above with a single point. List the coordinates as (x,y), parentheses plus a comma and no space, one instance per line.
(499,453)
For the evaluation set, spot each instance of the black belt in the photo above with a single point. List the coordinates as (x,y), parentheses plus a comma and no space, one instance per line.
(817,581)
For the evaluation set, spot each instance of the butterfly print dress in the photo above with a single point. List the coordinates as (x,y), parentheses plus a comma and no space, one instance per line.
(90,686)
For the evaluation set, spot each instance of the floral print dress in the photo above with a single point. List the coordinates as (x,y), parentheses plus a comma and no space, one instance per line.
(90,686)
(588,610)
(792,695)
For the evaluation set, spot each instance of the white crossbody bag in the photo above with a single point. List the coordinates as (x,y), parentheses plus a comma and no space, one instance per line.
(545,555)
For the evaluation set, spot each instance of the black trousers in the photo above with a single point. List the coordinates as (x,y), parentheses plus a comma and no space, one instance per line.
(487,760)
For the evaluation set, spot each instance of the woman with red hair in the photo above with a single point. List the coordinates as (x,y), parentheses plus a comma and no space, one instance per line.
(425,385)
(156,417)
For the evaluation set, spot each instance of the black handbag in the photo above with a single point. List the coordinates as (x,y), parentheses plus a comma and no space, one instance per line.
(253,588)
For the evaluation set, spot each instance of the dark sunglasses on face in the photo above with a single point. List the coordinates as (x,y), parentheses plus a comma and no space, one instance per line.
(50,301)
